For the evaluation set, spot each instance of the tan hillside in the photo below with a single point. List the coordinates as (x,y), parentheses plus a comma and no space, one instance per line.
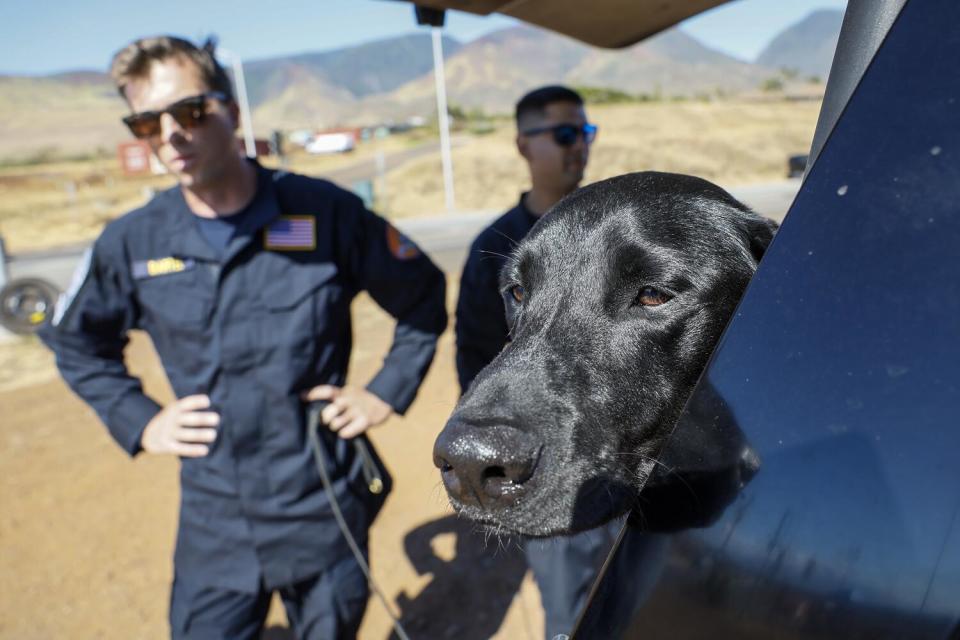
(671,63)
(728,142)
(307,102)
(58,116)
(492,72)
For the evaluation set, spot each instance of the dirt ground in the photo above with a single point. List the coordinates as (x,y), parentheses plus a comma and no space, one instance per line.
(730,142)
(86,534)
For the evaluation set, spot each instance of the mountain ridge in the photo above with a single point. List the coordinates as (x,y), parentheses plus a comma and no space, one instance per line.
(807,46)
(392,79)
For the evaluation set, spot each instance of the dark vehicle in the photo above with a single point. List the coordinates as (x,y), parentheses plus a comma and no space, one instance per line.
(841,367)
(796,165)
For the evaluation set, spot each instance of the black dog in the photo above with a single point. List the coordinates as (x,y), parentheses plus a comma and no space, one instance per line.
(615,301)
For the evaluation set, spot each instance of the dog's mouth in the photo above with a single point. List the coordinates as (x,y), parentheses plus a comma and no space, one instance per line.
(598,501)
(535,507)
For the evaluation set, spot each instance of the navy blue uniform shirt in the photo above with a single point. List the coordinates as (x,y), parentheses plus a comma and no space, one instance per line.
(481,323)
(252,328)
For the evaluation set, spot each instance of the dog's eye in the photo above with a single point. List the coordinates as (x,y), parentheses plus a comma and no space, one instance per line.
(651,297)
(517,292)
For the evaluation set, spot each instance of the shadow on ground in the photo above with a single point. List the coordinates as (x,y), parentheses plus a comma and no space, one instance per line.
(470,592)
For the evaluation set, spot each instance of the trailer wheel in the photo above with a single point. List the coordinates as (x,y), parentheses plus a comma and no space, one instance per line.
(25,304)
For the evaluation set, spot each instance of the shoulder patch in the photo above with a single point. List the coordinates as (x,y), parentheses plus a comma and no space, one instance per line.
(291,233)
(400,245)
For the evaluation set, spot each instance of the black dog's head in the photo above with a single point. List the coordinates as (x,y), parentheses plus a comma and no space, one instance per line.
(615,301)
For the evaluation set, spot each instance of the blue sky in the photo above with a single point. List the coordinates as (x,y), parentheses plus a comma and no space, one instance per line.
(60,35)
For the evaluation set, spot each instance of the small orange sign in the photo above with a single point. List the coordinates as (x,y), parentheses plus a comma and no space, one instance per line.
(134,158)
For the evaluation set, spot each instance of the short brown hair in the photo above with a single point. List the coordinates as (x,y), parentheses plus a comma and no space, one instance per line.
(134,61)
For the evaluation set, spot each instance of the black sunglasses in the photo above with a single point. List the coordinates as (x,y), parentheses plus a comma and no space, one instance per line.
(188,113)
(566,135)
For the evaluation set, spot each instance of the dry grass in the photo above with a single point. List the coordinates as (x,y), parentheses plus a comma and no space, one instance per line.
(729,142)
(64,203)
(318,165)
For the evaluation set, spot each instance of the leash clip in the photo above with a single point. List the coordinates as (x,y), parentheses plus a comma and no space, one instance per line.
(371,474)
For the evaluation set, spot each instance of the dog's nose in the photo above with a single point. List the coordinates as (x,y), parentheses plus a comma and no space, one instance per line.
(485,466)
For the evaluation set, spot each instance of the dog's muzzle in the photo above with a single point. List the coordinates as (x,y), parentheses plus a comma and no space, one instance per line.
(485,467)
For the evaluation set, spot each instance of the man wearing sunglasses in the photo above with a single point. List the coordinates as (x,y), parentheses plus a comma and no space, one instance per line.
(554,137)
(243,279)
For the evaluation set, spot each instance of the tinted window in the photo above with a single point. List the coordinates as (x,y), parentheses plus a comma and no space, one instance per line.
(841,369)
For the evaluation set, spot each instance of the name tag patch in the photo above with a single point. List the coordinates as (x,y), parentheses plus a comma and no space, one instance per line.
(291,233)
(160,267)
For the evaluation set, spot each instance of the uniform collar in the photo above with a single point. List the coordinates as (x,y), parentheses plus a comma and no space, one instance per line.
(265,209)
(522,206)
(186,238)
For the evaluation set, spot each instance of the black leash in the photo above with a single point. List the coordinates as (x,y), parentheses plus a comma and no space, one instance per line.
(374,483)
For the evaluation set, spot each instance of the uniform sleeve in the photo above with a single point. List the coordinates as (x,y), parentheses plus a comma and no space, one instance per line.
(406,284)
(87,333)
(481,325)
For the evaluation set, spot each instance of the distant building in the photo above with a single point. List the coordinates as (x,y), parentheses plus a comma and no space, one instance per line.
(136,159)
(261,146)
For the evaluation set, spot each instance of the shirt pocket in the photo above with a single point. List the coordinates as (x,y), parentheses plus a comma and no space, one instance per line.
(307,314)
(175,300)
(289,289)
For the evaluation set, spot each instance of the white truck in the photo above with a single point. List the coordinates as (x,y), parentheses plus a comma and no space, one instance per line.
(331,143)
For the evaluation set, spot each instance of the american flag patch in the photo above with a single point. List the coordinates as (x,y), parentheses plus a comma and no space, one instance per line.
(291,233)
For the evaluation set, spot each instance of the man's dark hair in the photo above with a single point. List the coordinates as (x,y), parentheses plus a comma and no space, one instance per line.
(535,102)
(134,61)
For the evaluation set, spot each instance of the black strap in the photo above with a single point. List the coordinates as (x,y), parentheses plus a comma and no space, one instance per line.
(374,483)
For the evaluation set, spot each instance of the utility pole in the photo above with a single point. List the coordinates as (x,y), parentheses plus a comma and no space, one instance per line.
(246,121)
(435,18)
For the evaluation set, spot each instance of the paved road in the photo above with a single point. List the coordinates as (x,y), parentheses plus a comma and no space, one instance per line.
(367,169)
(771,199)
(445,237)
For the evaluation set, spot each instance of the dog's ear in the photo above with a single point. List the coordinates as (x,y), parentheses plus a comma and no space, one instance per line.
(760,231)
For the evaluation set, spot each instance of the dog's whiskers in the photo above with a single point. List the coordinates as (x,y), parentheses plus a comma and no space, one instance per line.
(493,254)
(511,240)
(643,456)
(670,472)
